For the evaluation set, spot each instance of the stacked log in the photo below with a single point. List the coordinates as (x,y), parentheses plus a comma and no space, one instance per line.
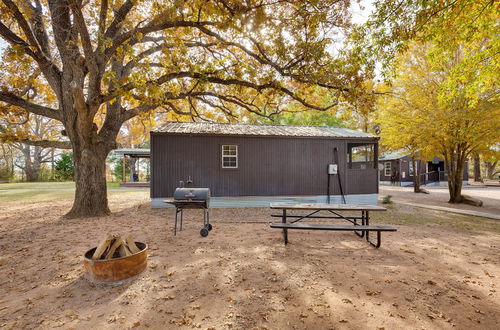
(114,246)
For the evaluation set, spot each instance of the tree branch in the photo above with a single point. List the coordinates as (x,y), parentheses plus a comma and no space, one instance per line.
(39,30)
(23,24)
(120,15)
(48,144)
(103,13)
(13,99)
(264,59)
(137,33)
(220,81)
(90,57)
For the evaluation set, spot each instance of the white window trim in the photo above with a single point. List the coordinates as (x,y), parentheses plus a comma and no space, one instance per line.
(387,168)
(230,156)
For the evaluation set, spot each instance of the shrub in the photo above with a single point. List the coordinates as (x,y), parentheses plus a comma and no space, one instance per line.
(387,199)
(64,170)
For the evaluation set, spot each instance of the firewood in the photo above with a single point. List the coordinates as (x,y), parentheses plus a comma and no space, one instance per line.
(113,248)
(103,246)
(131,244)
(123,250)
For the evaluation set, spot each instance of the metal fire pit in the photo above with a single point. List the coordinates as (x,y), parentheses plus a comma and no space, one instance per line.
(116,269)
(192,198)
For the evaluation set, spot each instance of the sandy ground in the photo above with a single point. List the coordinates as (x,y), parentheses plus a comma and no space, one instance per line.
(439,196)
(433,273)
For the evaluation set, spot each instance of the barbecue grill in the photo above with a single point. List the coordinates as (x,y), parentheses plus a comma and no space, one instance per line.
(192,198)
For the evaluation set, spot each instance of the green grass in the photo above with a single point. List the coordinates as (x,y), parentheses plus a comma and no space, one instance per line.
(27,192)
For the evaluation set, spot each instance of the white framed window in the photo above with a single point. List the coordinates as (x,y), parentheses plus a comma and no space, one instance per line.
(229,156)
(410,168)
(387,168)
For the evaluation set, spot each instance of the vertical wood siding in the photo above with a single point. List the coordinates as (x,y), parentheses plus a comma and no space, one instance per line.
(267,166)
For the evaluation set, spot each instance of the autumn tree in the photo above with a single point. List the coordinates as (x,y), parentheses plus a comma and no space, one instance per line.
(461,70)
(419,114)
(401,115)
(19,132)
(194,58)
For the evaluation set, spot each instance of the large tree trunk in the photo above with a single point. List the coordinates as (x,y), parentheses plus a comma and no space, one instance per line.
(132,162)
(416,175)
(454,164)
(32,161)
(32,174)
(477,168)
(91,197)
(491,170)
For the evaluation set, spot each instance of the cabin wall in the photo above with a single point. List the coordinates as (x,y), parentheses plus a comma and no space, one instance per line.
(267,166)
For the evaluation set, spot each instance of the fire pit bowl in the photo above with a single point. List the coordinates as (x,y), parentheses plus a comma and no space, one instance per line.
(116,269)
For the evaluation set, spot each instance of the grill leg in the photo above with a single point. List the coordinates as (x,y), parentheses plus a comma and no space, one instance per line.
(181,219)
(175,222)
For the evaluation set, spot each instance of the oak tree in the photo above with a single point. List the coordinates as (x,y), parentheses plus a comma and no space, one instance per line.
(120,58)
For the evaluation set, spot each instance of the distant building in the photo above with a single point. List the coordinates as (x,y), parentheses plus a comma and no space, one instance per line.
(396,168)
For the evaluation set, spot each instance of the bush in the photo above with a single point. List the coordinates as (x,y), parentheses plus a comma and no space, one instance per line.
(5,175)
(387,199)
(64,169)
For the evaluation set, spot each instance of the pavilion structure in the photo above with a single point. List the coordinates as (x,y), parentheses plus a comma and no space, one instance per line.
(134,157)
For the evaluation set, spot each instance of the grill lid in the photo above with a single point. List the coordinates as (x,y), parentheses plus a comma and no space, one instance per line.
(195,194)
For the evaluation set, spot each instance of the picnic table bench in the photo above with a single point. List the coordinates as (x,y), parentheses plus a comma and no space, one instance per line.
(361,229)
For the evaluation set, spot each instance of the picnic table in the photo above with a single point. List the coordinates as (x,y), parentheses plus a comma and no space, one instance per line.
(335,211)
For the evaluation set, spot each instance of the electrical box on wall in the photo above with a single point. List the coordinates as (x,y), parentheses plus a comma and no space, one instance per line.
(332,168)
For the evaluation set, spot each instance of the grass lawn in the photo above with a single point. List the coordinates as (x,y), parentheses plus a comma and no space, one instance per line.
(29,192)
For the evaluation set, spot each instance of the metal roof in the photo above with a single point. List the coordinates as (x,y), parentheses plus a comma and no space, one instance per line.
(132,152)
(260,130)
(392,155)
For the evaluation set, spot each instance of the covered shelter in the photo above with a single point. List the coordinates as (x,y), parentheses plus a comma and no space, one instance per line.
(133,157)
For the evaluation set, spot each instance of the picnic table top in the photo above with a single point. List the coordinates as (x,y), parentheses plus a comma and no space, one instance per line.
(324,206)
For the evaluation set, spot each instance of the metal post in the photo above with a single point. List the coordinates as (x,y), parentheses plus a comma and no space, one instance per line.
(366,222)
(175,222)
(123,168)
(285,231)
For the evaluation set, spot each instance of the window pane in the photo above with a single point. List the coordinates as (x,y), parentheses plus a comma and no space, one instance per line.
(361,155)
(387,169)
(230,156)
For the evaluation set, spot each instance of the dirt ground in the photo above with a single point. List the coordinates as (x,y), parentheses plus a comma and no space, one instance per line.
(438,271)
(439,196)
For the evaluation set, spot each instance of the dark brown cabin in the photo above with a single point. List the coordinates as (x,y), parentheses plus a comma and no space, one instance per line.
(396,168)
(263,162)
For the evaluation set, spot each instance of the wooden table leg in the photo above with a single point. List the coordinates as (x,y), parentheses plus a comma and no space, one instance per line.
(285,231)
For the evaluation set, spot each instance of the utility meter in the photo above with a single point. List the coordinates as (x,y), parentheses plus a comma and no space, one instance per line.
(332,168)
